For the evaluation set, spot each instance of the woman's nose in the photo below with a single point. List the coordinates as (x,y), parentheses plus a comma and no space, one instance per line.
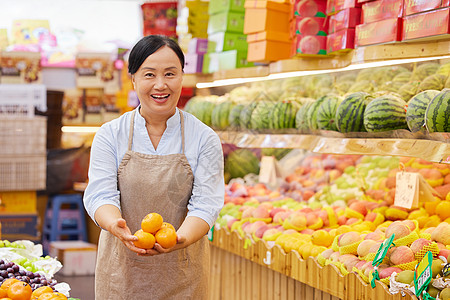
(160,82)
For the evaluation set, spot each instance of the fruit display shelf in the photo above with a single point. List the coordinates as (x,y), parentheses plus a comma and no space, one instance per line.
(434,151)
(243,269)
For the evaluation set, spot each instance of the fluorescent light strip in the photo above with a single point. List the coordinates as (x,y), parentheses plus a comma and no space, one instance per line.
(80,129)
(233,81)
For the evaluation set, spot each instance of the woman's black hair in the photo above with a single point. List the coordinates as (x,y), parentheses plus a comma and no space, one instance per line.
(149,45)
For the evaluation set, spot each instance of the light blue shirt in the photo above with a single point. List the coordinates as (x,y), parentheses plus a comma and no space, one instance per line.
(203,150)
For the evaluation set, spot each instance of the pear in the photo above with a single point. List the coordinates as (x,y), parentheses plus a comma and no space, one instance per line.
(436,267)
(405,276)
(445,294)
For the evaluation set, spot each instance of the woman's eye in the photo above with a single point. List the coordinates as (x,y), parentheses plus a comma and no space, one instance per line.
(170,74)
(149,75)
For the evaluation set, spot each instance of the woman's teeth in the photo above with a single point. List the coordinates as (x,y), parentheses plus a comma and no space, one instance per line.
(160,96)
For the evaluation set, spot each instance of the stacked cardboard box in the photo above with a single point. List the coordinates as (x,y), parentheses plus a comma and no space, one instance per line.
(194,57)
(227,47)
(198,18)
(341,37)
(267,25)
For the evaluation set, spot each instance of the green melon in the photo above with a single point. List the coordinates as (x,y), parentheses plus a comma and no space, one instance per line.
(301,118)
(326,113)
(246,115)
(424,70)
(203,111)
(444,69)
(260,115)
(234,116)
(408,90)
(350,113)
(283,115)
(403,77)
(385,113)
(362,86)
(437,115)
(241,162)
(312,113)
(433,82)
(415,113)
(220,114)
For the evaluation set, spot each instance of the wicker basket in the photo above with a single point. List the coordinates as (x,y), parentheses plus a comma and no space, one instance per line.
(23,173)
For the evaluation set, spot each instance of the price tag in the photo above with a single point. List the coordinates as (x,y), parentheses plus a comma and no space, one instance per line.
(422,274)
(211,234)
(407,190)
(446,270)
(379,257)
(270,171)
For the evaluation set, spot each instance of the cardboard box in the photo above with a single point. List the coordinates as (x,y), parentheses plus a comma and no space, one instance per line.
(20,226)
(18,202)
(198,46)
(218,61)
(310,8)
(381,10)
(193,63)
(224,41)
(419,6)
(310,45)
(347,18)
(426,26)
(226,21)
(311,26)
(77,257)
(341,41)
(335,6)
(268,46)
(216,6)
(364,1)
(263,15)
(20,67)
(381,32)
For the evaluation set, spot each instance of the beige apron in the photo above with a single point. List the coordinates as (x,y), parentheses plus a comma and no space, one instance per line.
(152,183)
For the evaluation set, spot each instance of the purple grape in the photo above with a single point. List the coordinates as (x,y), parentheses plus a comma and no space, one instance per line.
(16,268)
(22,272)
(2,267)
(10,270)
(1,279)
(37,275)
(30,274)
(33,286)
(44,282)
(9,265)
(2,261)
(4,273)
(11,275)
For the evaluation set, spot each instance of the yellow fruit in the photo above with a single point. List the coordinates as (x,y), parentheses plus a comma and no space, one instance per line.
(152,222)
(322,238)
(305,250)
(433,221)
(145,240)
(316,250)
(430,207)
(443,210)
(343,229)
(422,221)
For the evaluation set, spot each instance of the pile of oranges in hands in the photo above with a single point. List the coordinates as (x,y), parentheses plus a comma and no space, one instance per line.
(155,230)
(14,289)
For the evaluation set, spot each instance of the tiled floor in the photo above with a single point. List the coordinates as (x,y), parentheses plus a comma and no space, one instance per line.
(82,287)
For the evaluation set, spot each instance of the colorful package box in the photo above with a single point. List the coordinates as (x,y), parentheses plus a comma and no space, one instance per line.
(198,46)
(341,41)
(262,15)
(193,63)
(347,18)
(224,41)
(311,26)
(310,45)
(427,25)
(226,21)
(20,226)
(415,6)
(218,61)
(381,32)
(310,8)
(267,46)
(334,6)
(216,6)
(381,10)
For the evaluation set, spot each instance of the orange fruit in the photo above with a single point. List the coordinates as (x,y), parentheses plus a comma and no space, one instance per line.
(167,225)
(5,299)
(166,237)
(7,283)
(152,222)
(59,296)
(20,291)
(39,291)
(145,240)
(3,293)
(47,296)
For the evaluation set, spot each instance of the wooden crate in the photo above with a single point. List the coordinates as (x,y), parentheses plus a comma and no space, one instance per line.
(241,269)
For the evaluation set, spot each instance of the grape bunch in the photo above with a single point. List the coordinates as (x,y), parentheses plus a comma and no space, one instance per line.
(12,270)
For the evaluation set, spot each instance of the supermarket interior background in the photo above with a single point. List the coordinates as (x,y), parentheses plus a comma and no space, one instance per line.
(334,122)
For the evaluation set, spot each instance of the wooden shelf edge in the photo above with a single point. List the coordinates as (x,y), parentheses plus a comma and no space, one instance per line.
(431,150)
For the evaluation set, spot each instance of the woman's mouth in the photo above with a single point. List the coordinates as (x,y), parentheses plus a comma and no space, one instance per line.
(160,98)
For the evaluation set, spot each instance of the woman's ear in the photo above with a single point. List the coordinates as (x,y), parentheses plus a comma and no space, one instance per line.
(133,82)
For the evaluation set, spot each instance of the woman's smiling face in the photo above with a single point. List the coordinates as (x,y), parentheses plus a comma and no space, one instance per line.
(158,83)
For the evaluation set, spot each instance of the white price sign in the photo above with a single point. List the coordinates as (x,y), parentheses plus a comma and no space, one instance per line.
(407,190)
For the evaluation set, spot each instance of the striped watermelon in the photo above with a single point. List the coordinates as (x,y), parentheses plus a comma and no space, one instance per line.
(260,115)
(326,114)
(220,113)
(433,82)
(312,113)
(437,115)
(246,115)
(241,162)
(385,113)
(234,116)
(415,113)
(408,90)
(350,113)
(283,115)
(204,110)
(422,71)
(301,118)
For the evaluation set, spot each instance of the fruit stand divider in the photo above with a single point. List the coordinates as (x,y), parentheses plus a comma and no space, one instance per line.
(241,273)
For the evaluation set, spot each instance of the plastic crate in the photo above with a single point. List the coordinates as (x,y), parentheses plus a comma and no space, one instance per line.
(22,99)
(22,173)
(23,136)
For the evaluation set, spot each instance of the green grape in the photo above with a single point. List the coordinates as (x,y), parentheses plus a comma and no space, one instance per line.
(7,243)
(2,244)
(14,245)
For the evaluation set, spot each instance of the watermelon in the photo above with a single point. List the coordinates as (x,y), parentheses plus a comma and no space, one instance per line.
(385,113)
(260,115)
(437,115)
(279,153)
(220,113)
(326,113)
(283,115)
(301,118)
(408,90)
(342,87)
(433,82)
(444,69)
(241,162)
(403,77)
(364,74)
(350,113)
(234,115)
(312,113)
(246,115)
(424,70)
(415,113)
(391,86)
(203,111)
(362,86)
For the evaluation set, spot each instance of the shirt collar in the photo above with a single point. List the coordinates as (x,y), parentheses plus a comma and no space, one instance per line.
(172,123)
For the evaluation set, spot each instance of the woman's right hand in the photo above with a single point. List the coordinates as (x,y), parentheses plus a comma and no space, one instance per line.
(120,229)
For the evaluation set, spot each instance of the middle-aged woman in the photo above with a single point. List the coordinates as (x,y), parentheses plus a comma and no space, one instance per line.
(155,158)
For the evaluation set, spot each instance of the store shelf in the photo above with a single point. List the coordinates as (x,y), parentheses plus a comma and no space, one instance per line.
(430,150)
(258,71)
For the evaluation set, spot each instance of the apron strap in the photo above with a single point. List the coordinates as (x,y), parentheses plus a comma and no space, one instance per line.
(182,130)
(130,136)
